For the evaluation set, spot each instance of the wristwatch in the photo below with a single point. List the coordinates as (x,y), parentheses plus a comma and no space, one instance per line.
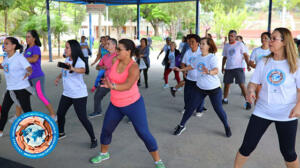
(113,86)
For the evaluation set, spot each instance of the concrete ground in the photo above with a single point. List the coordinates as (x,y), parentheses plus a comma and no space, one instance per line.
(202,145)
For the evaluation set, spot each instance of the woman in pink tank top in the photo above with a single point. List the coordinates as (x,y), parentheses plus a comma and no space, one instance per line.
(125,101)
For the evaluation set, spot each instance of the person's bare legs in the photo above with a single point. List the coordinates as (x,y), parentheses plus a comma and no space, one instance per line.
(155,156)
(226,90)
(18,111)
(104,148)
(243,89)
(294,164)
(180,84)
(240,160)
(51,110)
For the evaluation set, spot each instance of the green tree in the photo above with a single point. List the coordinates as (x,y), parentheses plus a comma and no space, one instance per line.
(228,5)
(226,21)
(77,12)
(155,15)
(34,18)
(5,5)
(120,15)
(38,23)
(289,4)
(286,5)
(58,26)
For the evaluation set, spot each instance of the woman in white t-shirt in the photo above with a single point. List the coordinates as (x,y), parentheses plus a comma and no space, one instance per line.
(279,99)
(74,90)
(262,51)
(16,70)
(208,84)
(259,53)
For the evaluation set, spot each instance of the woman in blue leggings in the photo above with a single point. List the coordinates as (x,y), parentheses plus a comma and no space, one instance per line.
(125,101)
(208,84)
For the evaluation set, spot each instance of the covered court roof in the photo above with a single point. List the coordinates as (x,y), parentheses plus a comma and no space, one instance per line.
(120,2)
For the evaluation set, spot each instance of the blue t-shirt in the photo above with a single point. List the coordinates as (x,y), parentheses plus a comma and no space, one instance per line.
(103,51)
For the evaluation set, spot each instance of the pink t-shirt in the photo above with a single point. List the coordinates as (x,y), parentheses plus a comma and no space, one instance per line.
(123,98)
(107,62)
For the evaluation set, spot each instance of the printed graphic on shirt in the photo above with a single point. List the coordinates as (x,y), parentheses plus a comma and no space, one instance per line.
(191,60)
(200,66)
(231,52)
(260,57)
(64,73)
(6,67)
(28,53)
(276,77)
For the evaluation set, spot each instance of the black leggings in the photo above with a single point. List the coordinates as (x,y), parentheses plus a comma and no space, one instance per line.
(145,72)
(80,109)
(286,131)
(23,97)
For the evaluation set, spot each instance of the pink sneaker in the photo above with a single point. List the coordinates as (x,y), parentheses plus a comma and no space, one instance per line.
(93,89)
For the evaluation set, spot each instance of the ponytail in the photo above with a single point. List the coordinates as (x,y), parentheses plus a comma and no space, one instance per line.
(129,45)
(16,42)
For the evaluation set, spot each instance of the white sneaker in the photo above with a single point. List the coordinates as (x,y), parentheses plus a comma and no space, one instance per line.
(12,119)
(199,114)
(166,86)
(1,134)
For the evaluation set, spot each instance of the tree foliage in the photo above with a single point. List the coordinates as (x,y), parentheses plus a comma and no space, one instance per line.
(155,15)
(120,15)
(289,4)
(4,6)
(226,21)
(209,5)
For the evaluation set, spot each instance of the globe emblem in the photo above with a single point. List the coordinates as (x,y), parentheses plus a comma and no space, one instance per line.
(276,77)
(34,135)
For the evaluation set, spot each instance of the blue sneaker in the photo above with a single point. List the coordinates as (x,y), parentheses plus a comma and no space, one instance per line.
(94,114)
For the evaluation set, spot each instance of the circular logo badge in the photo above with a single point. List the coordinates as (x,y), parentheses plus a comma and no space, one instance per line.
(200,66)
(276,77)
(34,135)
(6,67)
(191,60)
